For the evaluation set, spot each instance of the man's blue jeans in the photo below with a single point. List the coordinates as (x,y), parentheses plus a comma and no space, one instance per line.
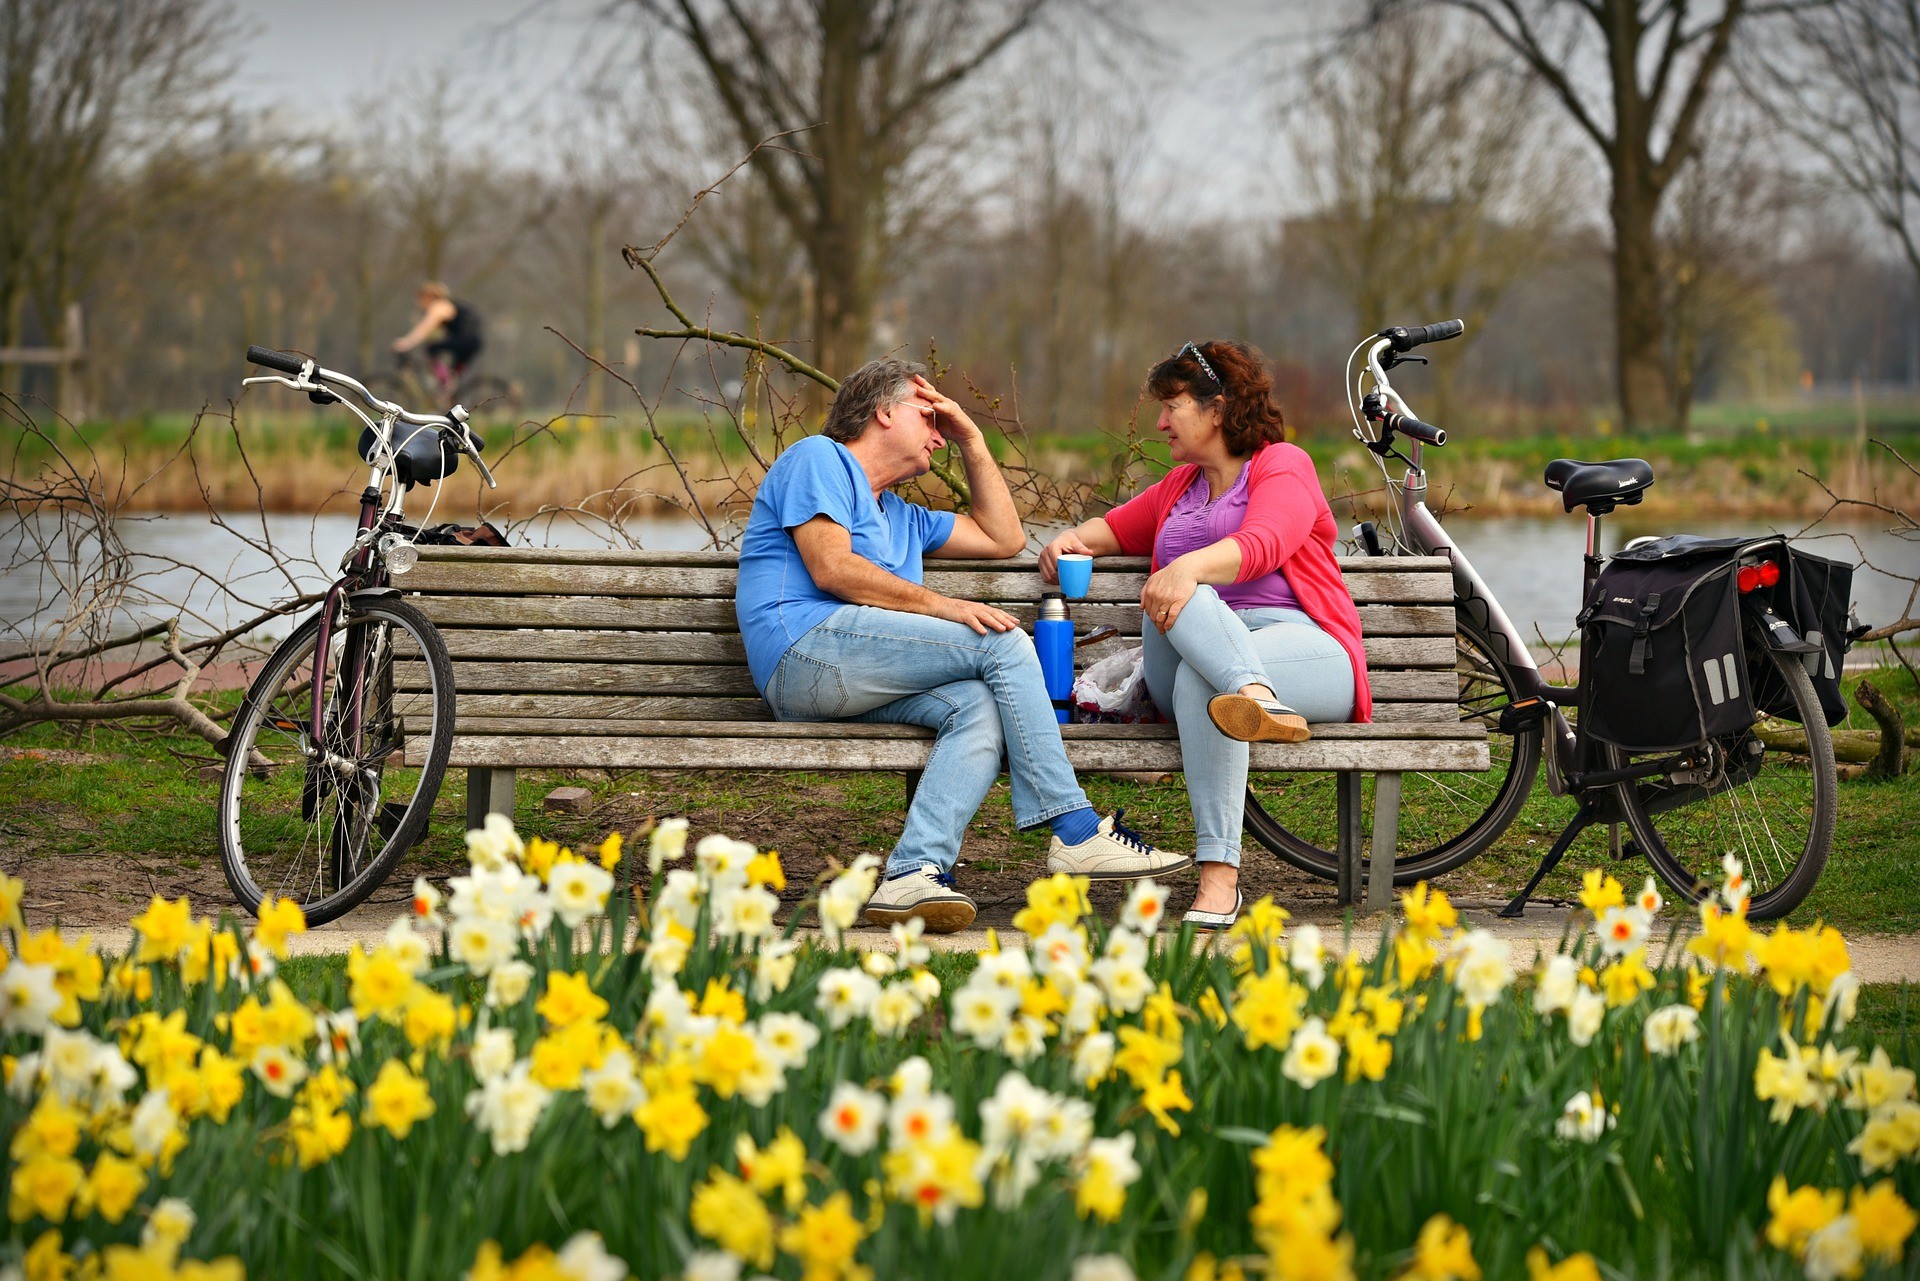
(1214,649)
(979,694)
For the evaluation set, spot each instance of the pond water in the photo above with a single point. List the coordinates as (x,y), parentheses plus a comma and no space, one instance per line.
(1532,564)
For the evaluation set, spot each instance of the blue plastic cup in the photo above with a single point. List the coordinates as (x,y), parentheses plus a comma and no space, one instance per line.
(1076,575)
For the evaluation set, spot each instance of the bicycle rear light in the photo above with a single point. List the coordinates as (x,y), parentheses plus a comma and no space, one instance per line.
(1752,578)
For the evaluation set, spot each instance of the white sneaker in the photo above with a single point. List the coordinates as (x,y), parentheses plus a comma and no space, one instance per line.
(924,893)
(1114,853)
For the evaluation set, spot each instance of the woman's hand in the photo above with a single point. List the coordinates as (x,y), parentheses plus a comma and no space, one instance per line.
(1167,592)
(1068,544)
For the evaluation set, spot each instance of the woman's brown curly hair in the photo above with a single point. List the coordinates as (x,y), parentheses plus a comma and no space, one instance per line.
(1240,374)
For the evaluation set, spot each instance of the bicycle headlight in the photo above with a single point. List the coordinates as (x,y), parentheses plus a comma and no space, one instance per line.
(399,554)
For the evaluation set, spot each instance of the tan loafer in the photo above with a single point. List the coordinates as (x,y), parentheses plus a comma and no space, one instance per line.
(1256,720)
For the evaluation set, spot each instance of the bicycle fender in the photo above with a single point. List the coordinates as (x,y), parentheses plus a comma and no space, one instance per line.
(372,593)
(1779,635)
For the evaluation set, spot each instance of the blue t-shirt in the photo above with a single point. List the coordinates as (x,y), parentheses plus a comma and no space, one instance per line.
(775,598)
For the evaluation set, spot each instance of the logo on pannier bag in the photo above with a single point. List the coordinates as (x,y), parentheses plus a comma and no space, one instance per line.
(1720,689)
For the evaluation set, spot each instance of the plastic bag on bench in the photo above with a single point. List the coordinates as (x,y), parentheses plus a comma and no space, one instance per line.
(1114,691)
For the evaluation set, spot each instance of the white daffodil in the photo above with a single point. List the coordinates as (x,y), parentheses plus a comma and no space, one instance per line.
(1556,984)
(844,995)
(578,891)
(666,843)
(1670,1027)
(613,1090)
(1145,908)
(1584,1016)
(1312,1057)
(1481,972)
(852,1118)
(507,1108)
(1622,930)
(508,984)
(408,946)
(1583,1119)
(494,1053)
(494,844)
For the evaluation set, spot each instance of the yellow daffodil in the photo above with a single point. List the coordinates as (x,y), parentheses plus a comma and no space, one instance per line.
(1883,1219)
(396,1099)
(824,1239)
(1443,1252)
(569,999)
(728,1212)
(279,919)
(1796,1215)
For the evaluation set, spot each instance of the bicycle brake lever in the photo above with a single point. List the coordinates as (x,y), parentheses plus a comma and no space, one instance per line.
(1393,358)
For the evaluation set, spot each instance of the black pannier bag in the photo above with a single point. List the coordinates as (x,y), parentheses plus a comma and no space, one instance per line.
(1665,661)
(1666,646)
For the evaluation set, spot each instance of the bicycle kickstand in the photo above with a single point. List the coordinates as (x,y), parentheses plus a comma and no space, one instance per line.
(1588,814)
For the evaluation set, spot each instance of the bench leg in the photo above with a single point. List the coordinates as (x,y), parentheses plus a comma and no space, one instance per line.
(1347,806)
(913,786)
(489,791)
(1386,833)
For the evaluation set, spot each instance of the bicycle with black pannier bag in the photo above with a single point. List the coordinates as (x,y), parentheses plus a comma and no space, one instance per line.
(1687,648)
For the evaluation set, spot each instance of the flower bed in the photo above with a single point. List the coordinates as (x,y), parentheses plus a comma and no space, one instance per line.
(503,1088)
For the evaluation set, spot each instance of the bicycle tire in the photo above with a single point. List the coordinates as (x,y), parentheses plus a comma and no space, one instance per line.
(1444,821)
(311,838)
(487,394)
(1684,829)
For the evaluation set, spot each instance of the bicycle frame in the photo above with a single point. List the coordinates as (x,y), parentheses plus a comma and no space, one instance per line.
(1420,531)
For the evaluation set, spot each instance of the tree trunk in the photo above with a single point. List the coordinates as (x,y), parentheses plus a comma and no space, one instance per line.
(596,310)
(1646,396)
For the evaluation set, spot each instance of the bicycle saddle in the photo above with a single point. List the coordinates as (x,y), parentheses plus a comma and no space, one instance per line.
(1599,486)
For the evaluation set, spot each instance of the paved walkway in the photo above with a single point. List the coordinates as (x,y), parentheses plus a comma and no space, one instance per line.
(1877,958)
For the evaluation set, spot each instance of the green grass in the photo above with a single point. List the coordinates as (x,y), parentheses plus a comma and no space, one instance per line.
(129,815)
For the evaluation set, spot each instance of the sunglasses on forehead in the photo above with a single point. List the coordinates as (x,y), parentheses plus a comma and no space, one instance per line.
(1205,368)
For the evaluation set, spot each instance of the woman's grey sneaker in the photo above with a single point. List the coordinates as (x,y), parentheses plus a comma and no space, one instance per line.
(924,893)
(1256,720)
(1114,853)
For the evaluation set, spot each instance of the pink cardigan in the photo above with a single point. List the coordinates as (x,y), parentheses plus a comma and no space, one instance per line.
(1288,527)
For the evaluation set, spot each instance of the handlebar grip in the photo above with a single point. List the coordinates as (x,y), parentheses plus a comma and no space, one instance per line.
(1409,426)
(268,358)
(1406,338)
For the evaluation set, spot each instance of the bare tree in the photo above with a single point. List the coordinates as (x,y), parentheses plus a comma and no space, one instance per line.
(1436,184)
(85,85)
(1850,91)
(1635,77)
(858,87)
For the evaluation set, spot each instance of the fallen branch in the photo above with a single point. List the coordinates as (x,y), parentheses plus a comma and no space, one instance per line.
(1886,762)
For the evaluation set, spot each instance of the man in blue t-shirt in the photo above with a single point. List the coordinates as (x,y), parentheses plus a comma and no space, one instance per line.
(839,627)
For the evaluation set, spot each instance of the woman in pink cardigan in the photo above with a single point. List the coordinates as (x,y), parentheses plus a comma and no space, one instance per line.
(1249,632)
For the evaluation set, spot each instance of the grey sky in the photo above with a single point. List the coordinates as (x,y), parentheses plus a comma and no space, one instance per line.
(312,61)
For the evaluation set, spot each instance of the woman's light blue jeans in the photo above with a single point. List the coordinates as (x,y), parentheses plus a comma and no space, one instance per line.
(979,694)
(1215,649)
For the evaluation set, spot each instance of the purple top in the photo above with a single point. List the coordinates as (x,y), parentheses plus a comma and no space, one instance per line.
(1194,523)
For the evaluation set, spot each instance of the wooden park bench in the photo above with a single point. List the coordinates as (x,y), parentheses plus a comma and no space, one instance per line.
(633,660)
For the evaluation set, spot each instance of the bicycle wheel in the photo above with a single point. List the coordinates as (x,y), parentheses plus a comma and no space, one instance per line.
(1774,810)
(324,824)
(487,394)
(1445,818)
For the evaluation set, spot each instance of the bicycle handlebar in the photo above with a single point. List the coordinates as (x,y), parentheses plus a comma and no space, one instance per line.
(1405,338)
(268,358)
(1407,425)
(310,375)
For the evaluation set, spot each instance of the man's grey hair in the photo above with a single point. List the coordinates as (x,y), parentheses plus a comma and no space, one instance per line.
(869,389)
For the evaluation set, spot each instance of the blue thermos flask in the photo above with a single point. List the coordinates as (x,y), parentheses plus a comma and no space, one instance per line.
(1053,638)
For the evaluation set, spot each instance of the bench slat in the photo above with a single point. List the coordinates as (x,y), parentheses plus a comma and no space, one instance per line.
(753,711)
(605,752)
(503,726)
(710,647)
(644,678)
(517,578)
(727,559)
(634,614)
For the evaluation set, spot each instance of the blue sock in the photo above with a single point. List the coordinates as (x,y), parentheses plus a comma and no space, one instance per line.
(1077,825)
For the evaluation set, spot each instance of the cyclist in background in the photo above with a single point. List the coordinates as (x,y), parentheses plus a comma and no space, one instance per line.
(450,329)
